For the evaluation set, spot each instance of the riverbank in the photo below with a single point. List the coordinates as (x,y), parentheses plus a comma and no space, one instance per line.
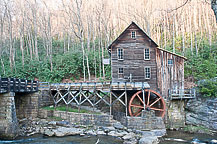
(56,127)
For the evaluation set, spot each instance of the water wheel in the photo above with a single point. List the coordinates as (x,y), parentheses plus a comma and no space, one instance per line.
(153,101)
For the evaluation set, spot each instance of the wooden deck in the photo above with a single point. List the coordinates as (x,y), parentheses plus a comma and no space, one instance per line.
(104,86)
(17,85)
(180,94)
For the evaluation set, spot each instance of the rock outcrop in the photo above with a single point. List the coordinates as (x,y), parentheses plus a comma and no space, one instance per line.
(202,112)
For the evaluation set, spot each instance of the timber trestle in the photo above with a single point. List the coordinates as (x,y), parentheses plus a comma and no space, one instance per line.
(94,94)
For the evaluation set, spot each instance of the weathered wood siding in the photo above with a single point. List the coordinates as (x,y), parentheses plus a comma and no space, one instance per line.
(133,54)
(169,76)
(163,76)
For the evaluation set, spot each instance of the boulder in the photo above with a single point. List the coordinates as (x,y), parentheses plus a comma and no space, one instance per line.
(128,136)
(117,134)
(101,133)
(118,126)
(132,141)
(63,123)
(48,132)
(63,131)
(159,132)
(108,129)
(53,123)
(91,132)
(213,141)
(149,140)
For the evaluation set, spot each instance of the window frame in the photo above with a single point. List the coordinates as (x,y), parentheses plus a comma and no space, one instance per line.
(148,54)
(122,53)
(133,35)
(146,72)
(170,62)
(119,70)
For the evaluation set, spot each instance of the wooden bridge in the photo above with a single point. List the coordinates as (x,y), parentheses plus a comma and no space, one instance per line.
(17,85)
(94,93)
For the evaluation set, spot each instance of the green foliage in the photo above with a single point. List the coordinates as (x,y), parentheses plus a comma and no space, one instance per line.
(208,88)
(67,65)
(203,65)
(69,109)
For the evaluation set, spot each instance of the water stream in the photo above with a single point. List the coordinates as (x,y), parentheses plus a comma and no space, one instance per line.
(173,137)
(178,137)
(39,139)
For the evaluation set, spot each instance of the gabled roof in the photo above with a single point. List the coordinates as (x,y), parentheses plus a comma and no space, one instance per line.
(133,23)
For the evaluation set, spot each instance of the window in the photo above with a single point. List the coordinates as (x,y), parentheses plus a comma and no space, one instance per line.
(147,54)
(133,34)
(120,54)
(147,72)
(170,62)
(120,71)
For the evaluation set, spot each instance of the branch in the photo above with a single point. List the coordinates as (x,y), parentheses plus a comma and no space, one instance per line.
(178,7)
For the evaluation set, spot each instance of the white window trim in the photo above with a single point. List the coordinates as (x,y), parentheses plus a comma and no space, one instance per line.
(132,34)
(145,72)
(149,54)
(122,53)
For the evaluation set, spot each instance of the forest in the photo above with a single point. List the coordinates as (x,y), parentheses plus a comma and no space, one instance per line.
(67,40)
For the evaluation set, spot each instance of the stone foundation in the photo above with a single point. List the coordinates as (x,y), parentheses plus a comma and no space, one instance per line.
(176,114)
(8,118)
(79,118)
(148,121)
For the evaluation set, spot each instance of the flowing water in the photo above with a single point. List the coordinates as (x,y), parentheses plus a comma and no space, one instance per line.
(39,139)
(173,137)
(178,137)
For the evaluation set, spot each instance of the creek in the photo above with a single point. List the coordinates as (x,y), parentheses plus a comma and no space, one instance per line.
(178,137)
(40,139)
(172,137)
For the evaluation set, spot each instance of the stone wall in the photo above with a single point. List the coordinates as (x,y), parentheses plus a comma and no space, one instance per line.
(176,114)
(27,104)
(44,98)
(8,119)
(79,118)
(148,121)
(202,112)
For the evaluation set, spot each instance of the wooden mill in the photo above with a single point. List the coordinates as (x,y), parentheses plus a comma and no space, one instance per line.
(143,77)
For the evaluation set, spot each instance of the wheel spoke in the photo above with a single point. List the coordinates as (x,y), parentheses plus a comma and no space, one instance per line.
(156,109)
(140,99)
(137,112)
(155,102)
(139,106)
(148,97)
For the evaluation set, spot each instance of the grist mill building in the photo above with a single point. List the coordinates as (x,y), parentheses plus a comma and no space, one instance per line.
(135,57)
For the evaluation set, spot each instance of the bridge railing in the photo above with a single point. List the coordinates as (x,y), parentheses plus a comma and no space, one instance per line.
(17,85)
(182,94)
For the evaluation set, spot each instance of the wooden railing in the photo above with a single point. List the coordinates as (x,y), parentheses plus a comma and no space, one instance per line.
(17,85)
(182,94)
(107,86)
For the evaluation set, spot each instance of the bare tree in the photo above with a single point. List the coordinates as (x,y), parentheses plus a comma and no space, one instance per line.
(214,7)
